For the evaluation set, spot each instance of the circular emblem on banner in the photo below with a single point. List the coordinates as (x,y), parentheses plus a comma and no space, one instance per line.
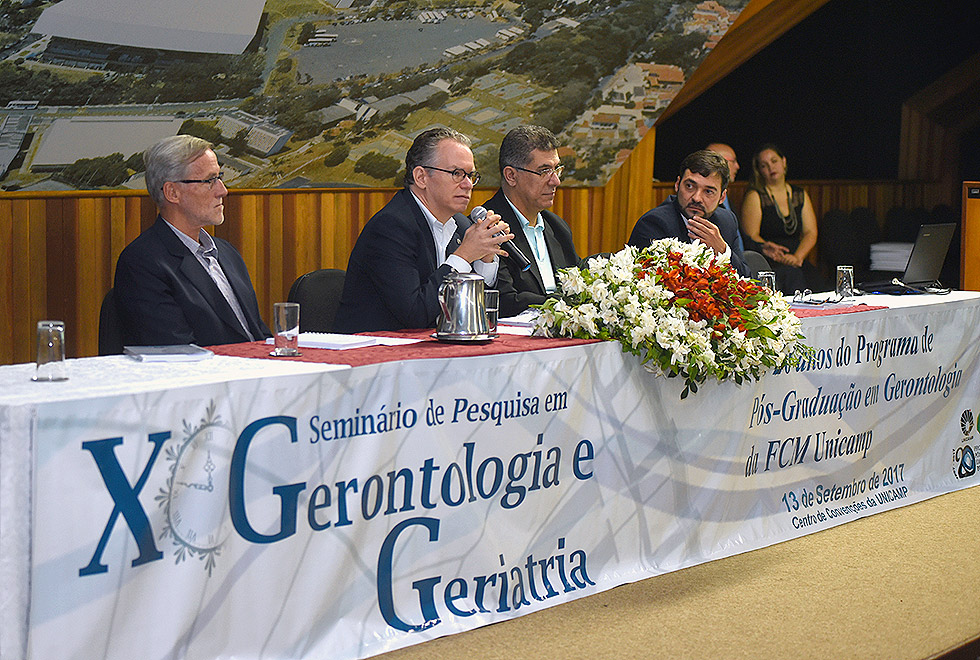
(195,499)
(966,422)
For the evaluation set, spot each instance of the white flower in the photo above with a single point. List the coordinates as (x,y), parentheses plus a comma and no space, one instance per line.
(608,298)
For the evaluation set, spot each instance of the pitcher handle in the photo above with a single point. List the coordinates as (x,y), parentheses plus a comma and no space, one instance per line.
(442,300)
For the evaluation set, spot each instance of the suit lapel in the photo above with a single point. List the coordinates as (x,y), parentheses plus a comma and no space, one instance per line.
(408,203)
(198,276)
(520,238)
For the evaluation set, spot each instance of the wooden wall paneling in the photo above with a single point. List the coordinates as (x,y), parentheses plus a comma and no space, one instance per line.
(7,252)
(302,228)
(88,271)
(970,244)
(59,249)
(341,231)
(275,248)
(577,210)
(60,241)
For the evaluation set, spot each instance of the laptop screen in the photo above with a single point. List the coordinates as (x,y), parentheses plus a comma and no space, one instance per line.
(929,253)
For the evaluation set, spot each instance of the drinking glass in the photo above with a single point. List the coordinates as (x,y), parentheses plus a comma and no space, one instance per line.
(285,316)
(51,364)
(767,279)
(845,282)
(491,298)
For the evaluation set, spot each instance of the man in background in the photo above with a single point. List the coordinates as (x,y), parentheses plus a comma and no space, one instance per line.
(530,173)
(175,283)
(693,214)
(728,154)
(408,247)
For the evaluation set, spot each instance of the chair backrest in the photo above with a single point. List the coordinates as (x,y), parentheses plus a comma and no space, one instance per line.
(110,330)
(756,262)
(318,294)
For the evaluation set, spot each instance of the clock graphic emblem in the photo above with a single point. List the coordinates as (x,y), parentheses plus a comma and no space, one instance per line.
(194,500)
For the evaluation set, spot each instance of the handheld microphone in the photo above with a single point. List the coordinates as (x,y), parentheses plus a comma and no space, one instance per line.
(478,214)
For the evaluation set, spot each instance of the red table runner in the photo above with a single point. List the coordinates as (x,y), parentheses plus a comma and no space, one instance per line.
(429,347)
(807,312)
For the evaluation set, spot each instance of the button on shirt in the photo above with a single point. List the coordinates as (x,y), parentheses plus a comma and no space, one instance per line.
(206,253)
(535,236)
(443,233)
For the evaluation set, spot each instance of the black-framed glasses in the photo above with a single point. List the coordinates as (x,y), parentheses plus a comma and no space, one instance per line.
(458,174)
(210,180)
(544,172)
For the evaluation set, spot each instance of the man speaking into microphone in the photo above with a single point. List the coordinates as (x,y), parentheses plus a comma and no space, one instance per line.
(530,173)
(408,247)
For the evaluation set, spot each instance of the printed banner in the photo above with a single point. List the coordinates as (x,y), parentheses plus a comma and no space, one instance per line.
(345,514)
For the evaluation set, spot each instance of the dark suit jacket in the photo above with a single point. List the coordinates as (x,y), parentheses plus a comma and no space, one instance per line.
(392,279)
(666,221)
(518,288)
(166,296)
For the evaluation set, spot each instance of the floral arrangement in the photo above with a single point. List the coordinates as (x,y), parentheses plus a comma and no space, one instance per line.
(675,306)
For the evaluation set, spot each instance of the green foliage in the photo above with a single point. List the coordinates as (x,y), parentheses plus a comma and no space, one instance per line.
(377,166)
(306,32)
(214,77)
(135,162)
(205,131)
(337,156)
(109,171)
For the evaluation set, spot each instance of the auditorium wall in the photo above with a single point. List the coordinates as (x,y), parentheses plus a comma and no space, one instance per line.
(59,249)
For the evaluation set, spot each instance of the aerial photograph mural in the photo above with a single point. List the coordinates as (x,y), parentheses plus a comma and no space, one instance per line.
(309,93)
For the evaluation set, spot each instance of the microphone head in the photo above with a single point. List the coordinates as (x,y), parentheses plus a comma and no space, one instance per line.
(478,214)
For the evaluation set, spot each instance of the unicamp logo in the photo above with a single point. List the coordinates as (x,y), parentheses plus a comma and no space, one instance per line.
(965,454)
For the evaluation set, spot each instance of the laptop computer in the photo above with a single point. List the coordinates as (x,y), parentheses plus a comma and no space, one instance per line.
(925,262)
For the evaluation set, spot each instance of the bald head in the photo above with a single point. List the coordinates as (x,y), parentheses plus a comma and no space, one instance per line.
(728,154)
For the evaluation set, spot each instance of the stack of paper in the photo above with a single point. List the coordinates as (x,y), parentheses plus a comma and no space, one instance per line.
(523,320)
(331,340)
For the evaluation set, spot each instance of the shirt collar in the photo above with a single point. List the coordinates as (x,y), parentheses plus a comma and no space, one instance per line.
(204,239)
(520,217)
(437,228)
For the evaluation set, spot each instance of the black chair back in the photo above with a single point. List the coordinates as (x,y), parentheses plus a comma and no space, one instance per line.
(110,330)
(318,294)
(756,263)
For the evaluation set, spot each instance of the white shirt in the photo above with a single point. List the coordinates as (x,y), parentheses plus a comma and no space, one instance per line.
(535,237)
(442,233)
(206,253)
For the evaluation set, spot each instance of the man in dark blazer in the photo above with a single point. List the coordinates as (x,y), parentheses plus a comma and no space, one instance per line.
(726,152)
(408,247)
(693,213)
(175,283)
(530,173)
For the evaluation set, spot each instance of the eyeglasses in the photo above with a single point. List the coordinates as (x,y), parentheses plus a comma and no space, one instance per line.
(458,174)
(544,172)
(210,181)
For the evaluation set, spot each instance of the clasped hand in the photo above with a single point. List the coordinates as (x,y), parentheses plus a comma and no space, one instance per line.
(781,254)
(482,240)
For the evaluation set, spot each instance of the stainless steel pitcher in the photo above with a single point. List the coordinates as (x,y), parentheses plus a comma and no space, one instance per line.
(464,312)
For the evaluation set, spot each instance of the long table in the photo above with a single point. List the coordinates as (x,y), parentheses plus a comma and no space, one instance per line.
(255,508)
